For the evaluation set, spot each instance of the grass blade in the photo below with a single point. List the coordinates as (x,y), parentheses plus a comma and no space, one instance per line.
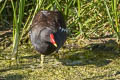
(111,20)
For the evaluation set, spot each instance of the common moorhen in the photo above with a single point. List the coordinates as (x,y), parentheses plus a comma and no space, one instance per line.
(48,32)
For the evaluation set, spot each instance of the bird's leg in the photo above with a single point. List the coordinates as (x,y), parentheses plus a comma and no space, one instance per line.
(42,60)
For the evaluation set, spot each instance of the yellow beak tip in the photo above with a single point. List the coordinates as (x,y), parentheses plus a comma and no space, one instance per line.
(55,45)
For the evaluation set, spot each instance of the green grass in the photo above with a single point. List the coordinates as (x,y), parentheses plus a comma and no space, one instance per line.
(115,25)
(84,19)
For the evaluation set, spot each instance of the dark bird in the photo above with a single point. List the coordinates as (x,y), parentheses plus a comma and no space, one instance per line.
(48,32)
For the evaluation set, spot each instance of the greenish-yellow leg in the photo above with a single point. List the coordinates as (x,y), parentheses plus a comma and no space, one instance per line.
(42,60)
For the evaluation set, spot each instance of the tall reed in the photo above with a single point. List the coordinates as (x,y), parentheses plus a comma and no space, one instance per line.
(3,6)
(17,23)
(115,13)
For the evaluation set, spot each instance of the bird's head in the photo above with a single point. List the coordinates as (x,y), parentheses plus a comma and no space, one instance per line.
(48,36)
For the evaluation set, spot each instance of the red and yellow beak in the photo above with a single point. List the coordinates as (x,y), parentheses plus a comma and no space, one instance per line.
(55,45)
(52,40)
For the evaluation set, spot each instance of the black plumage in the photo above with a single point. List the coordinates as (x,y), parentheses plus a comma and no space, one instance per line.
(48,29)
